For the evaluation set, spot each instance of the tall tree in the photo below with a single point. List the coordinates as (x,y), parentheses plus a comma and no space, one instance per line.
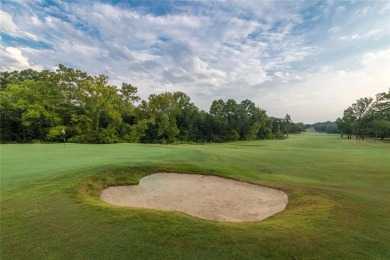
(33,104)
(360,109)
(163,110)
(367,117)
(252,120)
(381,106)
(38,105)
(186,117)
(219,121)
(346,123)
(380,115)
(287,123)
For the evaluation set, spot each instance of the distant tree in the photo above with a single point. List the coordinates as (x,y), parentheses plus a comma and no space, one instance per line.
(297,128)
(252,120)
(325,127)
(287,123)
(346,123)
(266,132)
(161,109)
(381,106)
(379,115)
(367,117)
(360,109)
(36,106)
(277,131)
(233,121)
(219,123)
(381,128)
(231,113)
(187,117)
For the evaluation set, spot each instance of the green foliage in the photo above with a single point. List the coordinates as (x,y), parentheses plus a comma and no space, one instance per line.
(325,127)
(367,118)
(55,133)
(35,105)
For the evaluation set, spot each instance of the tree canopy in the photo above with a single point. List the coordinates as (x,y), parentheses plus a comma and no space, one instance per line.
(367,117)
(42,106)
(324,127)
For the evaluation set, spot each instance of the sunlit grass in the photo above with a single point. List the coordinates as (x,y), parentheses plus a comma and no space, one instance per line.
(339,200)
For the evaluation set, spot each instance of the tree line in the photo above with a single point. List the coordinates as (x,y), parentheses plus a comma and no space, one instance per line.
(324,127)
(46,106)
(367,117)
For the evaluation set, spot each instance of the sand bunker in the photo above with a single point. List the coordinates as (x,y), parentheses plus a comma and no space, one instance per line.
(203,196)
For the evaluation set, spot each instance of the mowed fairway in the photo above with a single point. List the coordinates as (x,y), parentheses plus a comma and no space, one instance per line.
(339,201)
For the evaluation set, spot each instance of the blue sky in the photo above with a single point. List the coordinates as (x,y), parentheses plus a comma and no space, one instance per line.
(310,59)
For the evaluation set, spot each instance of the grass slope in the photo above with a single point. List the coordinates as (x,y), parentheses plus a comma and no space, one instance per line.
(339,201)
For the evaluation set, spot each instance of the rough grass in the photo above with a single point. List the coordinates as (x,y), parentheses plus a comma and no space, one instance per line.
(339,201)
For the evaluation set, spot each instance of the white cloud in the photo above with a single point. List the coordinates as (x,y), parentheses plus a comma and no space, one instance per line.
(35,20)
(13,59)
(373,34)
(280,54)
(325,93)
(8,26)
(377,60)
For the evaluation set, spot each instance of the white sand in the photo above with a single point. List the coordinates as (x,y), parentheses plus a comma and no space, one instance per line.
(203,196)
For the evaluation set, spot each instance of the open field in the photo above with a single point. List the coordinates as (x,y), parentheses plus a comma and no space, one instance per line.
(339,201)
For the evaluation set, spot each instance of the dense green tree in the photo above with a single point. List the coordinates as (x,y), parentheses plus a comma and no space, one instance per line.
(346,123)
(252,120)
(266,132)
(379,116)
(232,121)
(187,117)
(36,106)
(219,124)
(325,127)
(297,128)
(32,104)
(277,128)
(367,117)
(163,109)
(380,127)
(360,110)
(287,124)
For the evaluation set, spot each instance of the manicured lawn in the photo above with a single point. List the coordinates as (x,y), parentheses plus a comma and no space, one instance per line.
(339,201)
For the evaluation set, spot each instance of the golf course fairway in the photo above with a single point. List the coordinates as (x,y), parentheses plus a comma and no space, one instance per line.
(338,200)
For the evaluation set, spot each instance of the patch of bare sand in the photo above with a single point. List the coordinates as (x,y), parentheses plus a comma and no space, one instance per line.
(203,196)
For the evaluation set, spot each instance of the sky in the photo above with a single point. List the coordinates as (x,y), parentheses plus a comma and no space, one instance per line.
(308,59)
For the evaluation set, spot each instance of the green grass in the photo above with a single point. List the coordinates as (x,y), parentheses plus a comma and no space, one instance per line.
(339,201)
